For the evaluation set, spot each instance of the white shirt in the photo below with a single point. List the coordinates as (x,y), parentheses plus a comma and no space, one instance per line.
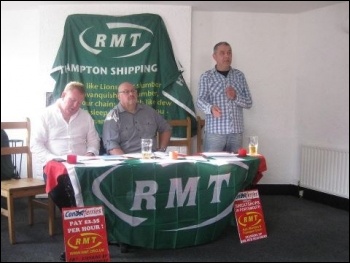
(52,136)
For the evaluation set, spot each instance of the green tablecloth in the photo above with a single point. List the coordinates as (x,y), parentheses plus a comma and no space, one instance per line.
(164,205)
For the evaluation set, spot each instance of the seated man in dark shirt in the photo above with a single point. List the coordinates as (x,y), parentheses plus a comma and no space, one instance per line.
(129,121)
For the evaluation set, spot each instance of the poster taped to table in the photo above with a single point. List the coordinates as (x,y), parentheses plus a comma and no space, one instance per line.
(85,237)
(249,216)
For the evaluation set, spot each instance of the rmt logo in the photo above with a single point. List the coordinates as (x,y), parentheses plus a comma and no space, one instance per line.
(125,39)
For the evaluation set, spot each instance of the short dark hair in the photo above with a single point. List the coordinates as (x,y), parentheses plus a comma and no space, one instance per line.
(219,44)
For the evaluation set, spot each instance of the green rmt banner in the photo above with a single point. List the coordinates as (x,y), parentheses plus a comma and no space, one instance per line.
(162,204)
(104,51)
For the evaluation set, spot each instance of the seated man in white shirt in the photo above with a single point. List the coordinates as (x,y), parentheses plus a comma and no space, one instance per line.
(64,128)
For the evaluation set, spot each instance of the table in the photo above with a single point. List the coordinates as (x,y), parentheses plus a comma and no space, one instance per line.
(161,204)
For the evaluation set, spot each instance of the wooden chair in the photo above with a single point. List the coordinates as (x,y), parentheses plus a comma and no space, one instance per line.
(200,126)
(182,141)
(23,187)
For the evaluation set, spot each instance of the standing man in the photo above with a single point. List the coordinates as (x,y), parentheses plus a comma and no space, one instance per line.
(129,121)
(223,94)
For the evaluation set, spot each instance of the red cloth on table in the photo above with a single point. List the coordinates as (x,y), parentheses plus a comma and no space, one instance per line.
(262,168)
(53,170)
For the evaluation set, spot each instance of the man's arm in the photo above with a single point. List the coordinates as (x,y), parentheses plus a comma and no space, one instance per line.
(116,152)
(93,139)
(110,134)
(39,139)
(164,138)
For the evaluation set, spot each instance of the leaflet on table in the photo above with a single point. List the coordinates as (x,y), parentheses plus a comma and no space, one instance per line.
(223,157)
(161,154)
(156,155)
(167,162)
(228,159)
(196,158)
(101,158)
(219,154)
(133,155)
(225,160)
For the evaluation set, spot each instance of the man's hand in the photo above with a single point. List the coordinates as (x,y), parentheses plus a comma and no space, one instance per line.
(230,93)
(216,111)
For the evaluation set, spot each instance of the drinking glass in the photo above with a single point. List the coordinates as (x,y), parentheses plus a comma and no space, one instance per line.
(146,148)
(253,145)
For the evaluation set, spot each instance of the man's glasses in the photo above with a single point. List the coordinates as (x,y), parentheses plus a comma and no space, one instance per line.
(127,92)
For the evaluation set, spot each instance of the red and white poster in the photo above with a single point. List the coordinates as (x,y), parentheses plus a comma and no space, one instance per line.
(249,216)
(85,237)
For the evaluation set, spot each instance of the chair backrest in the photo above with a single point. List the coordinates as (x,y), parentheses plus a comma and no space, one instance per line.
(182,141)
(200,126)
(25,149)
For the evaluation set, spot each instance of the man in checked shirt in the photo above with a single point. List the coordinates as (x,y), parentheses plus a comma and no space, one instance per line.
(222,96)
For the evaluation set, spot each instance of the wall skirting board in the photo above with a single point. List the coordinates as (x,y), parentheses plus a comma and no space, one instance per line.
(284,189)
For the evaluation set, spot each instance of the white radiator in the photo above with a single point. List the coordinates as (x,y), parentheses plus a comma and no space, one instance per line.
(325,170)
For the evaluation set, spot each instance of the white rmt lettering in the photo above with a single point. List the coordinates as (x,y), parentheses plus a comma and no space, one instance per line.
(176,189)
(146,190)
(218,180)
(116,40)
(142,194)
